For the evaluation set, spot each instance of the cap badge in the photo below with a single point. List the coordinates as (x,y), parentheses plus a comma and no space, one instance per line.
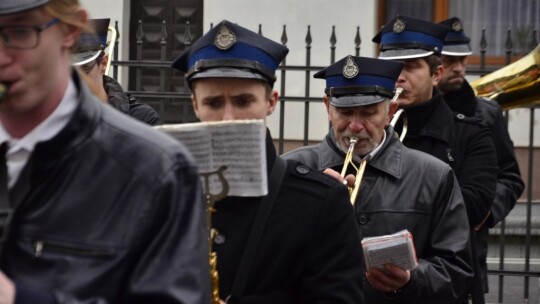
(399,26)
(225,38)
(350,70)
(456,26)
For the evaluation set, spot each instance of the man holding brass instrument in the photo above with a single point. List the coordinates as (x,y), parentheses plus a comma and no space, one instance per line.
(460,96)
(401,188)
(462,142)
(299,243)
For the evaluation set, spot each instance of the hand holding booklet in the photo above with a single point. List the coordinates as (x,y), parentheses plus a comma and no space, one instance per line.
(397,248)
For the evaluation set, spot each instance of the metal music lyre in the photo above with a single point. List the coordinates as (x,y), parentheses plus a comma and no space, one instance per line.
(211,198)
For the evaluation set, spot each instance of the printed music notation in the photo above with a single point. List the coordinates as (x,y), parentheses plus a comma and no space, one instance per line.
(239,145)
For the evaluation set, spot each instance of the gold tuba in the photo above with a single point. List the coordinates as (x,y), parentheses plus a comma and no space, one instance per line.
(515,85)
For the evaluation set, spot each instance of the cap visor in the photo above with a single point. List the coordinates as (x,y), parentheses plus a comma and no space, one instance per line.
(228,73)
(404,54)
(84,58)
(457,50)
(355,100)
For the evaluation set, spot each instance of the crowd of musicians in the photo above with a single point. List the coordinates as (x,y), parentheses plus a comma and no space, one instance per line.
(96,206)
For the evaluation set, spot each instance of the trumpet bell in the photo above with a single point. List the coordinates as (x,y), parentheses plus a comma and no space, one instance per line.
(515,85)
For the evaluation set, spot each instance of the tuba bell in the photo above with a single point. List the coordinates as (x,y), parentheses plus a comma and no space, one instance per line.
(515,85)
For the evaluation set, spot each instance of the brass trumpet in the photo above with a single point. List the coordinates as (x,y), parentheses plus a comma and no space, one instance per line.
(399,114)
(353,191)
(3,89)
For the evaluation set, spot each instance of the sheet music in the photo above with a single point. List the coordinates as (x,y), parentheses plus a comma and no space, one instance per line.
(397,248)
(238,144)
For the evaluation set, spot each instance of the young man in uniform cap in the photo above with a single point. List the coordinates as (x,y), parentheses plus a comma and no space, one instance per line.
(308,249)
(461,98)
(89,54)
(401,188)
(464,143)
(95,207)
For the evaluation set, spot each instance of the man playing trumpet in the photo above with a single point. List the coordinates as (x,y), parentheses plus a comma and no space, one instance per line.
(401,188)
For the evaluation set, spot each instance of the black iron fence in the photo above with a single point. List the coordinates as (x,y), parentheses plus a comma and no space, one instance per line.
(518,240)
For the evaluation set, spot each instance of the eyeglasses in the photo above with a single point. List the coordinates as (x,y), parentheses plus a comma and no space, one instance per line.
(23,37)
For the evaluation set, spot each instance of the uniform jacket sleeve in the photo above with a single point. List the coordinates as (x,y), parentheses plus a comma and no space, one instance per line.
(477,175)
(509,183)
(443,276)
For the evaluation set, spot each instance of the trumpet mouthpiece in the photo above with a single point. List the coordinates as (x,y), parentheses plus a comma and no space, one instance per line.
(3,89)
(353,140)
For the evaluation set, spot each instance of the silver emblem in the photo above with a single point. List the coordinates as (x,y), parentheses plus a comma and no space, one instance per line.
(456,26)
(350,70)
(399,26)
(225,38)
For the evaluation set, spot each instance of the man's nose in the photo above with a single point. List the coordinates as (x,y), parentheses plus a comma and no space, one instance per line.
(228,112)
(356,124)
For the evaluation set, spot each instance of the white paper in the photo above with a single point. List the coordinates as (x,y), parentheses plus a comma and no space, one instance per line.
(238,144)
(397,248)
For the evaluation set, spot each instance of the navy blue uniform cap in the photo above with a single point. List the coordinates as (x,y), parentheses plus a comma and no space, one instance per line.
(231,51)
(16,6)
(360,81)
(406,37)
(91,45)
(456,43)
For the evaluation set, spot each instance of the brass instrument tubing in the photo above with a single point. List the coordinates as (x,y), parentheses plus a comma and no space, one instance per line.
(3,89)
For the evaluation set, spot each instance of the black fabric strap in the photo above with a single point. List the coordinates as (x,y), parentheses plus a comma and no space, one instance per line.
(5,210)
(263,213)
(355,90)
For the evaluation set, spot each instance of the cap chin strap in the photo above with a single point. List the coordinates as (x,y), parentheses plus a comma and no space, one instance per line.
(255,66)
(356,90)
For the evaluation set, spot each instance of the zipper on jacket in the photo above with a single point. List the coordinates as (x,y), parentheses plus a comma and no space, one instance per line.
(41,246)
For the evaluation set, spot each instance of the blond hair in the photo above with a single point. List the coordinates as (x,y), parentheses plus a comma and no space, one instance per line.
(67,11)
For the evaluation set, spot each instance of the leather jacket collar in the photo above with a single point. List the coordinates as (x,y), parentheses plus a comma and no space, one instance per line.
(387,160)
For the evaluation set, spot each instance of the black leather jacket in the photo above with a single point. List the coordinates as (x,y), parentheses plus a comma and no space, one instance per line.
(112,214)
(128,104)
(407,189)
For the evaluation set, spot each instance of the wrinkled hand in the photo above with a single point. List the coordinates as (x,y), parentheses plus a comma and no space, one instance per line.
(7,290)
(347,181)
(391,279)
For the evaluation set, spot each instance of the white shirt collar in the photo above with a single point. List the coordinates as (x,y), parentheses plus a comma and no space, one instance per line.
(47,128)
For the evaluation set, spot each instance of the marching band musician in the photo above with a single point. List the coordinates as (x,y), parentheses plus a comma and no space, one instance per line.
(94,206)
(308,248)
(89,54)
(462,142)
(461,98)
(401,188)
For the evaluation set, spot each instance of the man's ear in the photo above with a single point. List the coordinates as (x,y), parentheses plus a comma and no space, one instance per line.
(326,102)
(194,104)
(391,111)
(437,74)
(272,102)
(72,33)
